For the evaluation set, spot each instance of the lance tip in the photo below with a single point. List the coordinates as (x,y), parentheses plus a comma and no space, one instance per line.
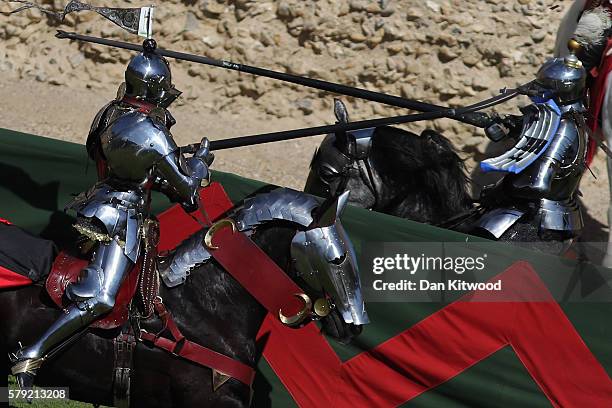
(63,34)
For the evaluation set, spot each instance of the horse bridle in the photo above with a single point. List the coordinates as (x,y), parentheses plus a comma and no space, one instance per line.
(358,159)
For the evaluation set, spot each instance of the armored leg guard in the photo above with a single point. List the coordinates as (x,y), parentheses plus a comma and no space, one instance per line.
(112,264)
(27,360)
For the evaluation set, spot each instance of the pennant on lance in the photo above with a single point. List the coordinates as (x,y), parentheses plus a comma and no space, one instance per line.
(135,20)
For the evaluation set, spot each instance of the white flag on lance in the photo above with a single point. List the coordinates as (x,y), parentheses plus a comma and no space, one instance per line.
(145,25)
(135,20)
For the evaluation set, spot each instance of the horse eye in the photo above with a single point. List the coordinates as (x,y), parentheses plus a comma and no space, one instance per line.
(327,173)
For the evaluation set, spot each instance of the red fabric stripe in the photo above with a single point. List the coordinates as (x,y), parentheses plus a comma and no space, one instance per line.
(176,225)
(10,279)
(256,272)
(444,345)
(436,349)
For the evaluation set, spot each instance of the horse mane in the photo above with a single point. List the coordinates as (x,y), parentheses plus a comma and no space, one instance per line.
(428,164)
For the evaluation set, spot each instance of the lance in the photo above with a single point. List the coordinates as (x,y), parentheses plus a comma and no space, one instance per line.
(346,127)
(478,119)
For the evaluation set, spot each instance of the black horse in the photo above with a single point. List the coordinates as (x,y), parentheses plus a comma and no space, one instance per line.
(211,309)
(392,171)
(420,178)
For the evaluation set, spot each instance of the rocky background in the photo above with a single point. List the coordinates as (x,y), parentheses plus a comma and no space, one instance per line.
(444,51)
(451,52)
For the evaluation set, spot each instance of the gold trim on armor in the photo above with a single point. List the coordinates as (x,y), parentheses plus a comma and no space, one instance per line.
(27,366)
(97,236)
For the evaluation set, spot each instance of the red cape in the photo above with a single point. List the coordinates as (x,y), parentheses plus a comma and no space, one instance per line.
(597,92)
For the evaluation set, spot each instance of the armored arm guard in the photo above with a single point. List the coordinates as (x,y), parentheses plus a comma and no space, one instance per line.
(181,178)
(139,149)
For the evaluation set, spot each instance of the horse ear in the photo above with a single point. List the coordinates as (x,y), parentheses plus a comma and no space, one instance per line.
(345,142)
(340,111)
(332,209)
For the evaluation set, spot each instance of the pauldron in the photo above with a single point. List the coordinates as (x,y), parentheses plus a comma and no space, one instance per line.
(540,124)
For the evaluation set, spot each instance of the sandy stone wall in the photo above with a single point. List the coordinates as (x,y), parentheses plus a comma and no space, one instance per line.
(444,51)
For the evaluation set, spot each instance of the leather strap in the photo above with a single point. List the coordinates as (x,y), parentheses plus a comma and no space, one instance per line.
(124,345)
(148,280)
(196,353)
(256,272)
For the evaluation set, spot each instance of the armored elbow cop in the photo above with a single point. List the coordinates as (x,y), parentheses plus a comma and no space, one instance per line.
(196,168)
(199,162)
(197,176)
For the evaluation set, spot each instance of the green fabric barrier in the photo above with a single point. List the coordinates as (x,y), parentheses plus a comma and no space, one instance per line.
(38,176)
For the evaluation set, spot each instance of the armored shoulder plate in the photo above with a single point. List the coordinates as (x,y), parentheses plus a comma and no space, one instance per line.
(280,204)
(100,122)
(134,143)
(539,128)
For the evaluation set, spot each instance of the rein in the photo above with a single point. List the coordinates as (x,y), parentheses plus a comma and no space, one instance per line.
(181,347)
(260,276)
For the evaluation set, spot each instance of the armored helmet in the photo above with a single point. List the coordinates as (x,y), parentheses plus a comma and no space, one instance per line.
(564,78)
(148,77)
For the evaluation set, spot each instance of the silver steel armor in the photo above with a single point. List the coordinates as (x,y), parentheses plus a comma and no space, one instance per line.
(323,254)
(148,77)
(175,268)
(135,154)
(548,161)
(321,250)
(540,123)
(564,78)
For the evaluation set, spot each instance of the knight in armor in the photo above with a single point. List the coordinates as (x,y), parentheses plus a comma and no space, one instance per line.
(135,153)
(545,166)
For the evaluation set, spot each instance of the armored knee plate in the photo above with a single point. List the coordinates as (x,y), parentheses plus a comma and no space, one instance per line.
(499,220)
(97,306)
(88,286)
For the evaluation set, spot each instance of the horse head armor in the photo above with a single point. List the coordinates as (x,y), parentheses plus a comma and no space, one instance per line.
(321,251)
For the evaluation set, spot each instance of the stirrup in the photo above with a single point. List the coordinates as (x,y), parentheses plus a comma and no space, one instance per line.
(25,372)
(27,366)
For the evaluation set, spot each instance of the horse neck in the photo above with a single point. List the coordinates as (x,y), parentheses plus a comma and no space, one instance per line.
(212,308)
(432,187)
(447,186)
